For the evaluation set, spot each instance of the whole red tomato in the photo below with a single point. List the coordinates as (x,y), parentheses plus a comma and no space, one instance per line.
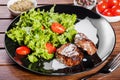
(116,10)
(102,5)
(107,12)
(112,3)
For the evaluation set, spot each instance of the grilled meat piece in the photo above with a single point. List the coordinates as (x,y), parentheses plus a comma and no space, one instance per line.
(84,43)
(69,54)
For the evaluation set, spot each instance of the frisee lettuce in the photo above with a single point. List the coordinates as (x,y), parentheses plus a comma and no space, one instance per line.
(28,31)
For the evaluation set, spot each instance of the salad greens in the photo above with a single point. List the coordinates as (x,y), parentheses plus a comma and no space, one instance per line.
(29,31)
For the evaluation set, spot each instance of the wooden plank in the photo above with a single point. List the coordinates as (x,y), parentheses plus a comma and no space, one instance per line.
(115,23)
(4,58)
(4,2)
(15,72)
(4,24)
(112,76)
(1,40)
(4,12)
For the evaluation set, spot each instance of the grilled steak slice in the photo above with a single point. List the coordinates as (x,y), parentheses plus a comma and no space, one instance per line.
(69,54)
(84,43)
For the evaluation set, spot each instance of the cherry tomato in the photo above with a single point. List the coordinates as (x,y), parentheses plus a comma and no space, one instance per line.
(51,49)
(23,50)
(102,5)
(112,3)
(57,28)
(119,3)
(116,10)
(107,12)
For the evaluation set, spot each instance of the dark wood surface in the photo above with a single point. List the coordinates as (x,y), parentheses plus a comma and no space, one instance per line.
(10,71)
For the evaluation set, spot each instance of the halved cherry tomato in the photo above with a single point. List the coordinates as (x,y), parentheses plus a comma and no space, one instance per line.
(116,10)
(57,28)
(107,12)
(23,50)
(102,5)
(51,49)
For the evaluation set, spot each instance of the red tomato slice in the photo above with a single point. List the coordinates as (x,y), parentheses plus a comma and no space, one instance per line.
(112,3)
(57,28)
(116,10)
(23,50)
(102,5)
(51,49)
(107,12)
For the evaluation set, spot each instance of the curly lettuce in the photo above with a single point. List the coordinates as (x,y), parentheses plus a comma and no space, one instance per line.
(28,31)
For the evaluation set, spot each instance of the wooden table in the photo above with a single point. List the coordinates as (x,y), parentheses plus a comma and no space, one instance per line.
(10,71)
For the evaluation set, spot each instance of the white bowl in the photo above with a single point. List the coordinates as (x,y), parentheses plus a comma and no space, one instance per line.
(90,7)
(109,18)
(15,13)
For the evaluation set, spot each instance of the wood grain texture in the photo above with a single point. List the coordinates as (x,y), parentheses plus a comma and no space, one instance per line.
(4,58)
(4,12)
(111,76)
(1,40)
(4,24)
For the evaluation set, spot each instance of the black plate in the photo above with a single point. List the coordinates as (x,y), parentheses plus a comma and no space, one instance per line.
(105,45)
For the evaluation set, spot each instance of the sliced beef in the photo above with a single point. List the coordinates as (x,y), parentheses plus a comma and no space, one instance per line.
(84,43)
(88,47)
(69,54)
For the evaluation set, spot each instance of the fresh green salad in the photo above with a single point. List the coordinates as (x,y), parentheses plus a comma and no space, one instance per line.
(34,30)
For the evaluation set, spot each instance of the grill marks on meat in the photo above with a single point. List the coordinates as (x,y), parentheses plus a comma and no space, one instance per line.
(83,42)
(69,54)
